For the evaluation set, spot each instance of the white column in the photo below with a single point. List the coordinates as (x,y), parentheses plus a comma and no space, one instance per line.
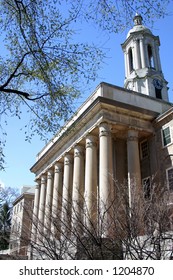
(67,191)
(105,172)
(133,159)
(57,199)
(78,185)
(41,207)
(48,204)
(78,175)
(35,211)
(142,51)
(91,181)
(127,72)
(136,57)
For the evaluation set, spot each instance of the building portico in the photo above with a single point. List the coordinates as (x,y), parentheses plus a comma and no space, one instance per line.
(81,161)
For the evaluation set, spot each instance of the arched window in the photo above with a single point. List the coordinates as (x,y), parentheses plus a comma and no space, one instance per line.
(150,56)
(130,55)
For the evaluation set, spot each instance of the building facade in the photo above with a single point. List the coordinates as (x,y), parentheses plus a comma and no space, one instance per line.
(21,222)
(117,135)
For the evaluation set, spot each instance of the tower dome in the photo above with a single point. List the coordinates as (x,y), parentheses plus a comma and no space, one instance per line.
(138,26)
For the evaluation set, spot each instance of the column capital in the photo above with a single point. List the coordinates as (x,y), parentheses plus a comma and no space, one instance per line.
(141,37)
(78,151)
(135,39)
(38,181)
(104,129)
(132,135)
(58,167)
(43,179)
(68,159)
(49,174)
(37,187)
(91,141)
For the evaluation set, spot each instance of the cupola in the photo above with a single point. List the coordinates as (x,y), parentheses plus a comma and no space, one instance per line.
(143,71)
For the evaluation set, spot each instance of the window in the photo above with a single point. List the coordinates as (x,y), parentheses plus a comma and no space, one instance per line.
(166,136)
(170,178)
(144,149)
(150,57)
(158,93)
(146,182)
(21,206)
(131,67)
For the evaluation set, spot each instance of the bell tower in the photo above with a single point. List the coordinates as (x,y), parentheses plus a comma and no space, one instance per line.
(143,71)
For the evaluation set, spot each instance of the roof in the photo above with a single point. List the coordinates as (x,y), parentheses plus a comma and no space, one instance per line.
(25,190)
(138,26)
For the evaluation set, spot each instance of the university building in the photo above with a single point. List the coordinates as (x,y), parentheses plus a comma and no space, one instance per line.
(21,222)
(118,134)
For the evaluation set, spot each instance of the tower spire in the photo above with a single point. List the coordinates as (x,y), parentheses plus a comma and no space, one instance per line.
(137,19)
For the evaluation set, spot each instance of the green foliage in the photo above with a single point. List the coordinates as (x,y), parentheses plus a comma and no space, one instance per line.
(43,66)
(7,196)
(5,222)
(5,217)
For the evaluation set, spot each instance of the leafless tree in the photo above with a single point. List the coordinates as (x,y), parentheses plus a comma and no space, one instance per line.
(129,227)
(8,194)
(144,225)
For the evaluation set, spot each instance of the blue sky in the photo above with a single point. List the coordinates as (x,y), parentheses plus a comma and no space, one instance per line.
(21,155)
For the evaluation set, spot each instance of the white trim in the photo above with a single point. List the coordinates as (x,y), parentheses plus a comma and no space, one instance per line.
(163,128)
(167,179)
